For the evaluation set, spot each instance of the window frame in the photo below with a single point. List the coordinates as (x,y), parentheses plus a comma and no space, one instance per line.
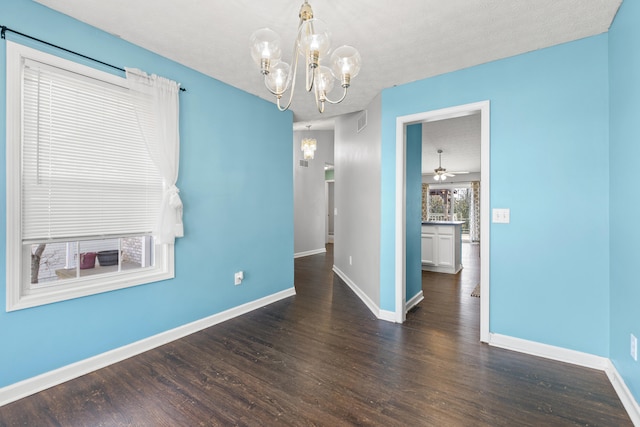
(18,294)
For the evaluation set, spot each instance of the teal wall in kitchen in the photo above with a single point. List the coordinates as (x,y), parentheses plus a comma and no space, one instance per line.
(414,210)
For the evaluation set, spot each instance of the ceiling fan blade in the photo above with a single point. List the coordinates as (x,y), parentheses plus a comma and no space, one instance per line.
(449,173)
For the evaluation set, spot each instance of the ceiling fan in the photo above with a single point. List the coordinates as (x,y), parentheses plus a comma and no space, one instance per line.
(440,173)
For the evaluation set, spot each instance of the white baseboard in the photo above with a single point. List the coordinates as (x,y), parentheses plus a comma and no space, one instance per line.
(549,351)
(364,297)
(312,252)
(414,301)
(49,379)
(389,316)
(576,358)
(627,399)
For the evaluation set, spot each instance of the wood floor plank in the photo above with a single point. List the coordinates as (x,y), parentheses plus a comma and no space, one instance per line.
(321,358)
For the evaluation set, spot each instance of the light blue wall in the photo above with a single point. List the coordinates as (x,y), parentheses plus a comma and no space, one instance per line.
(237,187)
(549,165)
(414,210)
(624,54)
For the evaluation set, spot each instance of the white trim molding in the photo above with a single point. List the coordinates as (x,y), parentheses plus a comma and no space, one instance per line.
(417,299)
(483,107)
(386,315)
(627,399)
(58,376)
(575,358)
(389,316)
(312,252)
(548,351)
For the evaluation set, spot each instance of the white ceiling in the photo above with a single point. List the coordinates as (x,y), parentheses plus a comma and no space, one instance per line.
(400,41)
(458,138)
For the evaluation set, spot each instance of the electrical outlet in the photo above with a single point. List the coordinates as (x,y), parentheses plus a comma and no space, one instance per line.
(634,347)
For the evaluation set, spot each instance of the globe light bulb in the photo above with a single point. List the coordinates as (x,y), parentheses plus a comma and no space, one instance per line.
(345,64)
(324,80)
(314,40)
(265,48)
(278,78)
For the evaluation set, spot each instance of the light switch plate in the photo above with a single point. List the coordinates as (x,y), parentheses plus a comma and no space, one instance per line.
(237,278)
(501,216)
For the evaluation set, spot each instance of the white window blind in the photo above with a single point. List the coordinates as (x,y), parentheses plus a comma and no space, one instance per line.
(86,171)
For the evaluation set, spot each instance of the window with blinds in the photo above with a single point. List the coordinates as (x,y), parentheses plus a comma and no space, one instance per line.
(86,171)
(86,192)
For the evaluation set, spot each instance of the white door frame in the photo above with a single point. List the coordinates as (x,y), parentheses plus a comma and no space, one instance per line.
(400,226)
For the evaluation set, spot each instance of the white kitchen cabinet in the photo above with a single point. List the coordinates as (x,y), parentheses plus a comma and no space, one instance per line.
(441,246)
(428,245)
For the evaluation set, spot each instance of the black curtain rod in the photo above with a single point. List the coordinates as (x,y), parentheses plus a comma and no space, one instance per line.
(4,29)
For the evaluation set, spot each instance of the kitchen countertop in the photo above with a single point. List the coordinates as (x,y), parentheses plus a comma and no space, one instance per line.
(442,222)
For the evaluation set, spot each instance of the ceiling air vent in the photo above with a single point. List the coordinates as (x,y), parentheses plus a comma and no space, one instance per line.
(362,121)
(304,163)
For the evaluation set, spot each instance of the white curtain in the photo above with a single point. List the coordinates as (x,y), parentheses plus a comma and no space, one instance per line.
(155,100)
(425,201)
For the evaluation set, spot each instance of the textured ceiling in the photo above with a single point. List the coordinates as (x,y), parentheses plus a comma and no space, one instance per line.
(400,41)
(458,138)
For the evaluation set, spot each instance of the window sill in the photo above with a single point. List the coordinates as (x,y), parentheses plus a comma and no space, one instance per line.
(70,273)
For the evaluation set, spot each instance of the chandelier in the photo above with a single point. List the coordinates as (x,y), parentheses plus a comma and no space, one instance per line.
(308,146)
(312,43)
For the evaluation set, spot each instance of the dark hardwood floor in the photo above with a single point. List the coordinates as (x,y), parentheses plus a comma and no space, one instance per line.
(321,358)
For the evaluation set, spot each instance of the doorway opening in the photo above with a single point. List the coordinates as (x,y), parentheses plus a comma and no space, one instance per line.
(402,122)
(329,185)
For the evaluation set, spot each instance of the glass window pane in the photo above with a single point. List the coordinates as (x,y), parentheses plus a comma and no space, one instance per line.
(46,260)
(53,264)
(461,207)
(137,252)
(439,205)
